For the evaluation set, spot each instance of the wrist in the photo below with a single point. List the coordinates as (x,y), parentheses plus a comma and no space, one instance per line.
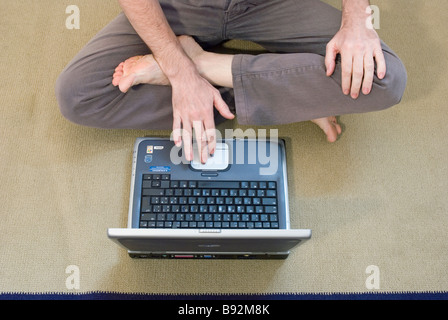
(355,13)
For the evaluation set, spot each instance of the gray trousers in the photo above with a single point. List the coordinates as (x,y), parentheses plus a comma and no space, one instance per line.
(286,85)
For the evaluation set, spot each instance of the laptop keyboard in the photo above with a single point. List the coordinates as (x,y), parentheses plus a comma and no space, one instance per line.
(208,204)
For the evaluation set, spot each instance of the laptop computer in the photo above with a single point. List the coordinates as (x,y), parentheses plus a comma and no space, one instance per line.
(235,206)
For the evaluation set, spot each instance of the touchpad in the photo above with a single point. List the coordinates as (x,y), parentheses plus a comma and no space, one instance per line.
(219,160)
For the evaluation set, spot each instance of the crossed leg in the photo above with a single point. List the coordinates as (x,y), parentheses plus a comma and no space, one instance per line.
(216,68)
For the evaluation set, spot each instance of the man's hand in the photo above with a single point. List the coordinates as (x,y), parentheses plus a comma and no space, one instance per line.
(359,47)
(193,102)
(193,96)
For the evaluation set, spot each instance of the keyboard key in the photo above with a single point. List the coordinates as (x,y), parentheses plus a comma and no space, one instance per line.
(148,217)
(164,200)
(270,209)
(192,184)
(155,184)
(164,184)
(269,201)
(271,193)
(151,224)
(146,184)
(218,184)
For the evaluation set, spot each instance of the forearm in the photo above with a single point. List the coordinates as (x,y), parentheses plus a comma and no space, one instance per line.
(148,20)
(354,12)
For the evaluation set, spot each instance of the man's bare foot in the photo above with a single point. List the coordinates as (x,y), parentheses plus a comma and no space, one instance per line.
(216,68)
(138,70)
(330,127)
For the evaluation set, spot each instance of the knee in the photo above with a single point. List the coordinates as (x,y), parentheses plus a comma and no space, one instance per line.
(81,99)
(67,91)
(392,87)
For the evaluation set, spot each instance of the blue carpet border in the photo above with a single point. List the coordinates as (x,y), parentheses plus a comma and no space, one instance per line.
(102,295)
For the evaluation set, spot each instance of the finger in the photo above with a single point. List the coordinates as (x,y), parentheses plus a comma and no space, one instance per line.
(369,69)
(205,153)
(221,106)
(187,140)
(346,69)
(177,134)
(330,58)
(210,132)
(357,75)
(380,63)
(199,138)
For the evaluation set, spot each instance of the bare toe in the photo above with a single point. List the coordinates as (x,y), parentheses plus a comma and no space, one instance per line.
(330,127)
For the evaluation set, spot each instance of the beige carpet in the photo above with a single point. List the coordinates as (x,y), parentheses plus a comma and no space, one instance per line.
(378,196)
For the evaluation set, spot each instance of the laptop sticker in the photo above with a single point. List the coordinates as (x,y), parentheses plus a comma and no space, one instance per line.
(159,169)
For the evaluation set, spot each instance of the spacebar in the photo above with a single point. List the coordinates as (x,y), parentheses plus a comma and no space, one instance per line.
(218,184)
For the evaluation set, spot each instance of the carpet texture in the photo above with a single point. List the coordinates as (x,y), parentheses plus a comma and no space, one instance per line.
(377,197)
